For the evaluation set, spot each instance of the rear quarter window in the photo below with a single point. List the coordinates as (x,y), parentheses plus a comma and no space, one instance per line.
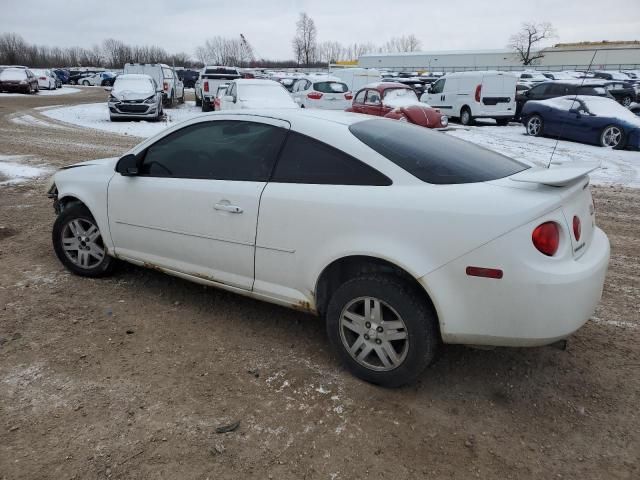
(434,157)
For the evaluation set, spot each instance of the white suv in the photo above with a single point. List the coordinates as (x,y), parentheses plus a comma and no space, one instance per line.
(321,91)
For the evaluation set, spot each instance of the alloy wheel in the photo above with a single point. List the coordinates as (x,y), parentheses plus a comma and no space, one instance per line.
(374,334)
(611,137)
(82,243)
(533,126)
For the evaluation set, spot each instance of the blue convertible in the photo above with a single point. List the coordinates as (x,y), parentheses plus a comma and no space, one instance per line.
(596,120)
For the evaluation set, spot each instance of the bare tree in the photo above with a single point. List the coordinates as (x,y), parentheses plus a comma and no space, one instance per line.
(406,43)
(305,44)
(356,50)
(330,52)
(525,43)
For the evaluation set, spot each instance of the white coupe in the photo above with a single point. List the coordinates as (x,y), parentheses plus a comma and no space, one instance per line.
(400,237)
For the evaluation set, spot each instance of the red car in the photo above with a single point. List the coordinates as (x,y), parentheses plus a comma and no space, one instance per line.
(397,101)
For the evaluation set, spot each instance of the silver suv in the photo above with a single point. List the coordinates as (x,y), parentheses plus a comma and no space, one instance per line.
(135,96)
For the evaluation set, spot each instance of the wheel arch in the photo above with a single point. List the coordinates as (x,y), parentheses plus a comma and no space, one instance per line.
(344,268)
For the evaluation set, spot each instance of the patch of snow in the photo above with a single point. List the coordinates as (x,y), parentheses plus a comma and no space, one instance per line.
(34,122)
(13,170)
(618,167)
(96,116)
(322,390)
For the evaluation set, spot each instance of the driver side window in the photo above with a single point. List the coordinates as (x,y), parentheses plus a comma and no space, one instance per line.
(438,87)
(373,97)
(216,150)
(360,97)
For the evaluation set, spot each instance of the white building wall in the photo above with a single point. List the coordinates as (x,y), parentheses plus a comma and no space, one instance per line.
(610,58)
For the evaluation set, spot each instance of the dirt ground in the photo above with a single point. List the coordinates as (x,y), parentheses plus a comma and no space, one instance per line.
(129,377)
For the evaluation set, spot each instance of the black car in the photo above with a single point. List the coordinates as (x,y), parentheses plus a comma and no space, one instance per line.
(188,77)
(417,84)
(623,92)
(552,89)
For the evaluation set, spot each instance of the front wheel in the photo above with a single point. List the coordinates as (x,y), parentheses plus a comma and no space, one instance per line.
(535,126)
(78,243)
(613,137)
(384,332)
(465,117)
(626,101)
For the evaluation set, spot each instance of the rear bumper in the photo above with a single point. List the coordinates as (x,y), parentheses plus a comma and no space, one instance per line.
(535,303)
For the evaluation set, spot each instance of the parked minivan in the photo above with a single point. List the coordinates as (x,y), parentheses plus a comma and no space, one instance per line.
(165,76)
(471,95)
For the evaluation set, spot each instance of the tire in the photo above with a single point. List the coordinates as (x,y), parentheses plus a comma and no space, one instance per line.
(502,122)
(465,116)
(30,89)
(612,136)
(535,125)
(206,106)
(86,84)
(73,228)
(408,311)
(626,101)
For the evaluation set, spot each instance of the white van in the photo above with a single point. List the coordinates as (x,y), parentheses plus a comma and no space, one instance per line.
(356,78)
(471,95)
(165,77)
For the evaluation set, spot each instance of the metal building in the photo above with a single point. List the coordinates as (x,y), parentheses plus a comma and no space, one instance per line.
(576,56)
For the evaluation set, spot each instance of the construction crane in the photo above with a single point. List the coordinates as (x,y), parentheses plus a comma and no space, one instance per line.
(248,50)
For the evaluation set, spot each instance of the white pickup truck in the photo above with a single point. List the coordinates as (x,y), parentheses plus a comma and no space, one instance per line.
(165,77)
(210,78)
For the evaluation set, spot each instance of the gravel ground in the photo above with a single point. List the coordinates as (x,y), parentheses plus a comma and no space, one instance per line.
(129,377)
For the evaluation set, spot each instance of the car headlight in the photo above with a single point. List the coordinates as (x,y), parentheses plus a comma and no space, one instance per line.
(444,120)
(113,99)
(150,100)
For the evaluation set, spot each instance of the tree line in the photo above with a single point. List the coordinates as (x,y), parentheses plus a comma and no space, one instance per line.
(15,50)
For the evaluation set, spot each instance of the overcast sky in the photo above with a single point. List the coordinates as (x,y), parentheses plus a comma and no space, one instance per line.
(269,25)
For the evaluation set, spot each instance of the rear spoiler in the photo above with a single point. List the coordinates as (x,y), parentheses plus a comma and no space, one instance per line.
(556,176)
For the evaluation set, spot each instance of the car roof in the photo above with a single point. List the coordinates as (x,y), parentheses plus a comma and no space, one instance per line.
(382,86)
(255,81)
(294,116)
(134,76)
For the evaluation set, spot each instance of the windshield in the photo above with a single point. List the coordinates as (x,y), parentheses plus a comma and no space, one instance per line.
(138,85)
(330,87)
(13,74)
(431,156)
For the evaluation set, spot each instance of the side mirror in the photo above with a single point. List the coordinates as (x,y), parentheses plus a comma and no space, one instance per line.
(108,89)
(127,166)
(229,98)
(429,90)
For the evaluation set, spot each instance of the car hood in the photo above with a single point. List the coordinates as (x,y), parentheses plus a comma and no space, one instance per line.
(131,95)
(106,162)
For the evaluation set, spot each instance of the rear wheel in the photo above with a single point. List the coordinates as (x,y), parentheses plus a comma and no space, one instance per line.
(626,101)
(206,106)
(77,241)
(535,126)
(384,332)
(465,116)
(198,102)
(85,83)
(613,137)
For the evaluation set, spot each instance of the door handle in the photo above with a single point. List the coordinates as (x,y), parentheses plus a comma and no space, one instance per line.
(225,207)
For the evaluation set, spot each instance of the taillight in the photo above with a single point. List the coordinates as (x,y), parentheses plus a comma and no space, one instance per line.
(478,92)
(166,86)
(206,86)
(43,78)
(348,96)
(577,227)
(314,95)
(546,238)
